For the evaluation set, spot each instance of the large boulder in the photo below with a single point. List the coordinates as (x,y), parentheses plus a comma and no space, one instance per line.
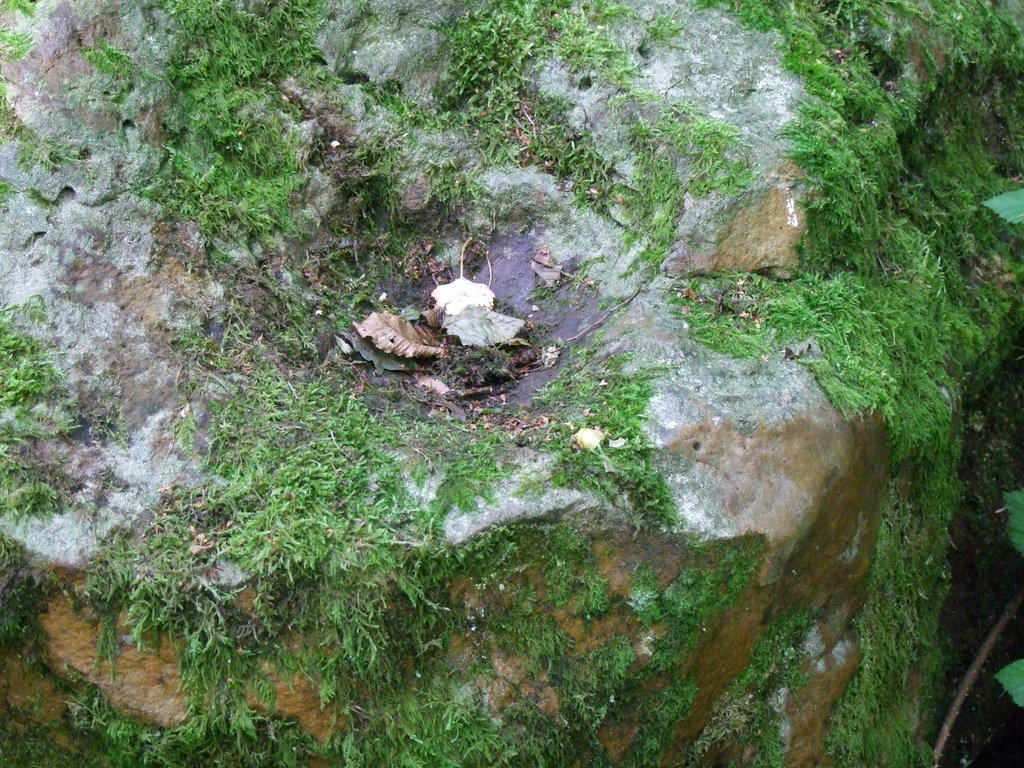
(254,535)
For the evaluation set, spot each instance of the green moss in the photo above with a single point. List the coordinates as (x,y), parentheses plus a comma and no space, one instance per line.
(613,399)
(14,45)
(471,474)
(110,60)
(901,674)
(233,155)
(25,7)
(114,63)
(584,43)
(492,50)
(243,741)
(908,285)
(30,394)
(33,149)
(8,122)
(894,235)
(696,596)
(854,319)
(29,744)
(746,713)
(20,595)
(665,29)
(654,196)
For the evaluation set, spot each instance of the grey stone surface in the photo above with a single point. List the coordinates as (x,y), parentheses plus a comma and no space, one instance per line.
(77,237)
(80,235)
(725,71)
(389,40)
(510,504)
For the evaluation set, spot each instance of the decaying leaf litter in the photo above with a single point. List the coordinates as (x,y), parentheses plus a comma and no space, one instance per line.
(461,339)
(462,313)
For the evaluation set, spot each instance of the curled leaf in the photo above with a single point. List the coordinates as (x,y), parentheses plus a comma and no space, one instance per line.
(588,439)
(391,334)
(434,317)
(455,296)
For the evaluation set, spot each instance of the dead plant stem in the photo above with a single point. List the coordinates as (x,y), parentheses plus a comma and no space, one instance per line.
(973,672)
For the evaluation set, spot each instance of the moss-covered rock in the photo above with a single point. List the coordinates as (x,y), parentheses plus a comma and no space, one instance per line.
(228,540)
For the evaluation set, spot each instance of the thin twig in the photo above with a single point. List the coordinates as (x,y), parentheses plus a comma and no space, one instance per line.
(478,392)
(462,254)
(972,673)
(606,315)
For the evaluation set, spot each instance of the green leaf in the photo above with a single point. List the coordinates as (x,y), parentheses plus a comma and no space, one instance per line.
(1015,505)
(1012,678)
(1010,206)
(482,327)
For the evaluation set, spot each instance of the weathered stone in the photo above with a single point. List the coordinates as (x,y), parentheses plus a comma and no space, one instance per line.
(763,236)
(829,671)
(144,684)
(754,457)
(24,689)
(79,237)
(525,496)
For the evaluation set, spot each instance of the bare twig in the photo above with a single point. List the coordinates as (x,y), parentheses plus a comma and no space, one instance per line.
(972,673)
(477,392)
(604,317)
(462,254)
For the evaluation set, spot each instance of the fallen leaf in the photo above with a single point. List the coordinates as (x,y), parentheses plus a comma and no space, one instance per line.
(431,384)
(588,439)
(549,357)
(479,327)
(394,335)
(434,317)
(618,442)
(382,361)
(455,296)
(545,267)
(344,346)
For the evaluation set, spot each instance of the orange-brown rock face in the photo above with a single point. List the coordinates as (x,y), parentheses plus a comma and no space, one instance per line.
(146,684)
(762,236)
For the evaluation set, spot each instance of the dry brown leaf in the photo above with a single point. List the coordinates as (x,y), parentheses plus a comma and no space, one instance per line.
(545,267)
(392,334)
(434,317)
(455,296)
(431,384)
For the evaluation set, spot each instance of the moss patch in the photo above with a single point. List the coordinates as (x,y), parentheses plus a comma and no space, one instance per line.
(21,590)
(234,163)
(907,284)
(749,713)
(30,395)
